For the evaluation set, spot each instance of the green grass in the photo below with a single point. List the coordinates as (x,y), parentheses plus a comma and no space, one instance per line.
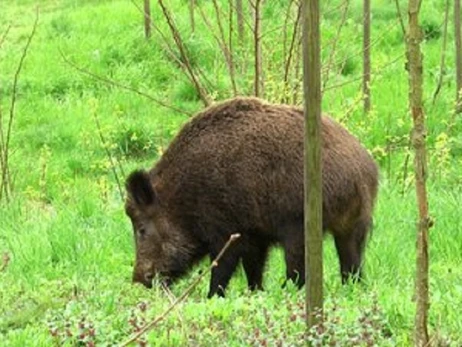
(70,244)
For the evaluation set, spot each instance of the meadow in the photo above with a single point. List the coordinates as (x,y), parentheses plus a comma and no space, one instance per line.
(67,247)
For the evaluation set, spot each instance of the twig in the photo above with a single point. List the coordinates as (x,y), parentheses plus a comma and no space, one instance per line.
(284,31)
(6,140)
(443,54)
(400,17)
(391,62)
(172,54)
(179,43)
(291,48)
(221,41)
(258,81)
(373,43)
(183,296)
(5,261)
(162,36)
(367,55)
(334,45)
(335,8)
(230,39)
(240,20)
(226,50)
(108,153)
(5,33)
(118,85)
(147,18)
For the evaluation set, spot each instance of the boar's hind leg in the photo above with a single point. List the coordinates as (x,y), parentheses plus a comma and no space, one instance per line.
(254,262)
(294,248)
(222,273)
(350,249)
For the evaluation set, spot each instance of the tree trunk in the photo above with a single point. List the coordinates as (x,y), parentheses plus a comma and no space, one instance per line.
(240,21)
(147,18)
(367,55)
(458,42)
(201,91)
(258,82)
(313,178)
(414,56)
(192,4)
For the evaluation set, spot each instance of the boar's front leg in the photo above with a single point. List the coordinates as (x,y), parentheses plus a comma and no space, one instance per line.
(222,273)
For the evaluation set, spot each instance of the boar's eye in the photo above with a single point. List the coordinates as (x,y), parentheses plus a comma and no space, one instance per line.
(141,231)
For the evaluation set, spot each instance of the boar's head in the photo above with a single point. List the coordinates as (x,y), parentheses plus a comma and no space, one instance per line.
(160,248)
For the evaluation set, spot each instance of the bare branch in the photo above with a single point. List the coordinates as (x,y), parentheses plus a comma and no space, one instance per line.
(373,43)
(108,153)
(400,17)
(179,43)
(185,294)
(147,18)
(226,50)
(118,85)
(192,4)
(458,48)
(295,33)
(5,261)
(240,20)
(335,41)
(443,54)
(367,55)
(5,183)
(381,68)
(335,8)
(284,31)
(258,82)
(221,41)
(4,35)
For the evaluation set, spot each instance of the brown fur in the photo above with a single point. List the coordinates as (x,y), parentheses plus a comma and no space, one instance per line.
(238,167)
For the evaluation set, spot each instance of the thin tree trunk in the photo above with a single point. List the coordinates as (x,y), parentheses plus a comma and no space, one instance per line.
(294,42)
(147,18)
(258,81)
(367,56)
(313,177)
(414,56)
(182,50)
(192,4)
(458,42)
(240,21)
(335,41)
(227,50)
(439,84)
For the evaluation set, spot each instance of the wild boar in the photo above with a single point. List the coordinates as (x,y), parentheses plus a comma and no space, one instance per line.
(237,167)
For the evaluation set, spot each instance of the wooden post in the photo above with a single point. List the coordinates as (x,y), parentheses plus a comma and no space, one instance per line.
(312,165)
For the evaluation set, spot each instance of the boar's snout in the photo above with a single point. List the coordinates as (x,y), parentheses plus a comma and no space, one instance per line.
(144,278)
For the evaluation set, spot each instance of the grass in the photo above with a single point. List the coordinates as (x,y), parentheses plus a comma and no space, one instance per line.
(70,245)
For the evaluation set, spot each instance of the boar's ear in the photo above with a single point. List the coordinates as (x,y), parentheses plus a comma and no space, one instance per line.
(139,187)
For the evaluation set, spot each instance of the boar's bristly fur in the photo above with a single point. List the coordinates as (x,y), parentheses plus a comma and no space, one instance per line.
(237,167)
